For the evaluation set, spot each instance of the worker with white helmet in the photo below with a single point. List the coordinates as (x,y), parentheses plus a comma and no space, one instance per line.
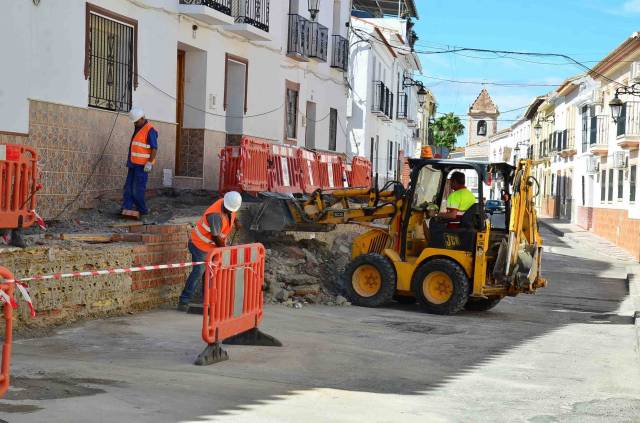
(142,156)
(212,230)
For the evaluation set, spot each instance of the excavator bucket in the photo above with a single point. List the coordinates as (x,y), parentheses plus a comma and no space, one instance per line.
(274,213)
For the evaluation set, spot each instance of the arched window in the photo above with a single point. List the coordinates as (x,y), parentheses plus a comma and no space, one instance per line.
(482,128)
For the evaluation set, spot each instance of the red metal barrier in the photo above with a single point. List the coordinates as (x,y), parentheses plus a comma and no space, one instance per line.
(244,167)
(8,331)
(330,170)
(360,173)
(285,172)
(309,168)
(18,185)
(233,300)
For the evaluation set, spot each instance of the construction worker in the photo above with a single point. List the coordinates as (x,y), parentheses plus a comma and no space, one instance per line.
(143,149)
(460,200)
(211,231)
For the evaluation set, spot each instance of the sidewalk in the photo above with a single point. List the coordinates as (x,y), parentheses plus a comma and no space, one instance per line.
(596,246)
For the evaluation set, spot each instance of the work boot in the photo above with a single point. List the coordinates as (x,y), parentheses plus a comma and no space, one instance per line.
(183,307)
(16,238)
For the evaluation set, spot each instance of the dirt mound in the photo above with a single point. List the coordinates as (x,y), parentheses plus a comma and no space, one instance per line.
(299,271)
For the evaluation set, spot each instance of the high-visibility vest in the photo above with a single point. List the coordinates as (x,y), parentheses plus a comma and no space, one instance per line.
(140,148)
(201,233)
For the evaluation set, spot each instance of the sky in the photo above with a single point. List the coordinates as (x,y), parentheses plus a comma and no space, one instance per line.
(586,30)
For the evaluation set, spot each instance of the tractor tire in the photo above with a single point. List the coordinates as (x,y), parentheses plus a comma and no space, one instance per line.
(481,304)
(441,286)
(370,280)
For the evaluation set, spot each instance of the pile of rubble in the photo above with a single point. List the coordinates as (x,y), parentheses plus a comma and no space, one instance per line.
(306,271)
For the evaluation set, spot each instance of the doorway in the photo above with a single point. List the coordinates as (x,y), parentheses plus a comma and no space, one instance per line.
(179,107)
(310,131)
(235,95)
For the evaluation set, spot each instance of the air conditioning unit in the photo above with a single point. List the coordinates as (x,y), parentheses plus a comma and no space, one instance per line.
(597,97)
(635,72)
(593,165)
(619,160)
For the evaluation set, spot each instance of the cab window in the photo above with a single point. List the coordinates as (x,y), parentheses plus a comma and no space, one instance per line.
(426,187)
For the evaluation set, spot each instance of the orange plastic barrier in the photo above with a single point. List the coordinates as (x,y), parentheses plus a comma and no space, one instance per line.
(285,172)
(18,185)
(244,167)
(233,300)
(309,168)
(8,332)
(330,170)
(360,173)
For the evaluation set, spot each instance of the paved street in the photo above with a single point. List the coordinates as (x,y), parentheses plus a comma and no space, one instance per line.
(568,354)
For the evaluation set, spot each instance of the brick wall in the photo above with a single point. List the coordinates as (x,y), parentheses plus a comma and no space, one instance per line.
(70,141)
(615,225)
(67,300)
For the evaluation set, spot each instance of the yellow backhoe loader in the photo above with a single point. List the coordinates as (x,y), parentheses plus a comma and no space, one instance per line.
(408,253)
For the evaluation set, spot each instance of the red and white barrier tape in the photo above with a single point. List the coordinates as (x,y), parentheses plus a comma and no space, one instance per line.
(22,286)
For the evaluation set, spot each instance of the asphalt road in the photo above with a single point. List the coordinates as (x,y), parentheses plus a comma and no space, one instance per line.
(567,354)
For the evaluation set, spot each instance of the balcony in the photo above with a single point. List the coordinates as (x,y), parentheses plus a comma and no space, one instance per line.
(212,12)
(382,101)
(568,144)
(402,106)
(251,19)
(319,41)
(628,126)
(598,135)
(340,52)
(298,42)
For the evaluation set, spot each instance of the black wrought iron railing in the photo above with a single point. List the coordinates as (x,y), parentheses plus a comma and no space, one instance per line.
(319,41)
(223,6)
(629,121)
(252,12)
(298,40)
(340,52)
(402,105)
(598,130)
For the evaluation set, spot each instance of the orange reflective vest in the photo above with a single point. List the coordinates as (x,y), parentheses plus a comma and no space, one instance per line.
(201,233)
(140,149)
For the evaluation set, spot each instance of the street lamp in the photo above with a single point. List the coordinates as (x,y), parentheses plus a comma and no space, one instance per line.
(616,104)
(538,126)
(538,129)
(422,96)
(314,8)
(616,108)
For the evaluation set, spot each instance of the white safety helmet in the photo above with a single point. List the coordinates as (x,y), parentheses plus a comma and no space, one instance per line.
(135,114)
(232,201)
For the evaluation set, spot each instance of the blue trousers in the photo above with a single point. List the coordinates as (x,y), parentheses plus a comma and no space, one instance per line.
(196,274)
(134,189)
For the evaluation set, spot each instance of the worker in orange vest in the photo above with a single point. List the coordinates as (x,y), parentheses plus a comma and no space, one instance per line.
(142,156)
(212,230)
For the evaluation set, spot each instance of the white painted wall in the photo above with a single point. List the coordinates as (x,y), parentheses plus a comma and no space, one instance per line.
(47,54)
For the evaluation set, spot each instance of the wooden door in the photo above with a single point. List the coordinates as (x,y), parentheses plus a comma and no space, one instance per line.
(179,106)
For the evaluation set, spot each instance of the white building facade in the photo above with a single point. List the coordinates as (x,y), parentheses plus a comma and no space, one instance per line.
(206,73)
(382,111)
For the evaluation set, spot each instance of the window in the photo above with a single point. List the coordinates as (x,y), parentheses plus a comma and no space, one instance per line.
(610,185)
(482,128)
(292,109)
(110,62)
(620,180)
(585,128)
(333,128)
(603,189)
(390,156)
(632,184)
(553,185)
(582,185)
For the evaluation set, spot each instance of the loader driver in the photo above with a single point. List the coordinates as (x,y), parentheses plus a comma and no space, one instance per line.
(460,200)
(211,231)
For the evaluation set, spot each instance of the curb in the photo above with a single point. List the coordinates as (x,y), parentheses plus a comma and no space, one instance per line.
(633,279)
(551,228)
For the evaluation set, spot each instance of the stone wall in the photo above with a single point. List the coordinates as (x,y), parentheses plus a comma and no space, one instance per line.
(613,225)
(70,142)
(67,300)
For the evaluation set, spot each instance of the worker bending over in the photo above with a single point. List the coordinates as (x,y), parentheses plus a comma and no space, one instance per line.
(460,200)
(211,231)
(142,155)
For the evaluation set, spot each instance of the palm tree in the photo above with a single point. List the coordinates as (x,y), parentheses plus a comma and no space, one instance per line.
(446,130)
